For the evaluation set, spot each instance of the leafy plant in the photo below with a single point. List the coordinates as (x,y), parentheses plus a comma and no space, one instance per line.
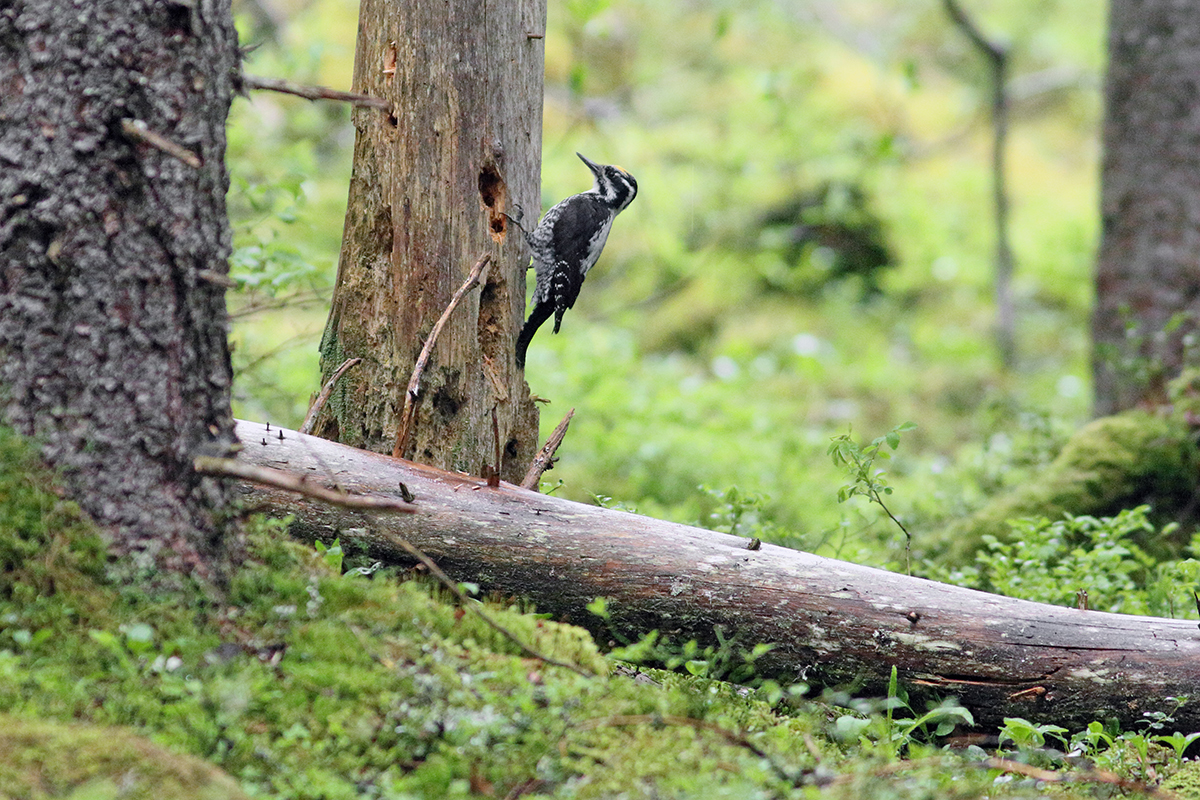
(1023,734)
(726,660)
(899,726)
(865,479)
(332,554)
(1142,755)
(1055,561)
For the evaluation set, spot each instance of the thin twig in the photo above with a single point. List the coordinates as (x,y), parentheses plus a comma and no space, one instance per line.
(289,301)
(524,787)
(907,536)
(1079,776)
(290,482)
(414,383)
(313,92)
(545,458)
(137,129)
(326,390)
(494,477)
(1016,767)
(997,56)
(477,609)
(736,739)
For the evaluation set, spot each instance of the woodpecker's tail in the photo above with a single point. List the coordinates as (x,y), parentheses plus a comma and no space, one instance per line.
(541,313)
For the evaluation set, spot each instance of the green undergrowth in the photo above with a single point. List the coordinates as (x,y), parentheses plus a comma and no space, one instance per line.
(305,681)
(1098,562)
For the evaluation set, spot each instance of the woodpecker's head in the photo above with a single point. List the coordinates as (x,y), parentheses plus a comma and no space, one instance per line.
(615,185)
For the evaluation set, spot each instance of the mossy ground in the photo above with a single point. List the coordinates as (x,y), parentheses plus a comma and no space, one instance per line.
(1110,464)
(307,683)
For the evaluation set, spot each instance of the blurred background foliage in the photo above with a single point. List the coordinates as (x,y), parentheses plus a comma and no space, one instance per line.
(810,250)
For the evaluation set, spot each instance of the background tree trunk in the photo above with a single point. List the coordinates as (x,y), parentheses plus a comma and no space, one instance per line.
(832,623)
(113,253)
(1148,270)
(429,187)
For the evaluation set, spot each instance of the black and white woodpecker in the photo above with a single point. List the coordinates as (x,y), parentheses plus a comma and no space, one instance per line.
(567,242)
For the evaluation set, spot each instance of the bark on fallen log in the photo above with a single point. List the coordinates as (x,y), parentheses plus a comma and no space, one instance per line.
(832,623)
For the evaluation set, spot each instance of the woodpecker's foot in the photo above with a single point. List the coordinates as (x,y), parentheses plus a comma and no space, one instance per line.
(517,219)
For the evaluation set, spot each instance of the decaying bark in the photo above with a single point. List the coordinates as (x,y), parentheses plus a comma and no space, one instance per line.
(113,248)
(832,623)
(432,180)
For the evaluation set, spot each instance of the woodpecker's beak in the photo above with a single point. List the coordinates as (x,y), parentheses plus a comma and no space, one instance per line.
(592,165)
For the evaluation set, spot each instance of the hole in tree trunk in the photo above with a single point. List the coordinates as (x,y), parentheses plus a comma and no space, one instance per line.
(493,193)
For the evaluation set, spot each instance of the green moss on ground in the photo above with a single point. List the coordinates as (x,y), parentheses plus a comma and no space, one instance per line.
(307,683)
(50,759)
(1111,464)
(1185,783)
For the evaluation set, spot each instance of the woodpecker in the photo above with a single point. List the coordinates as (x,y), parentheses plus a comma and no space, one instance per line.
(567,242)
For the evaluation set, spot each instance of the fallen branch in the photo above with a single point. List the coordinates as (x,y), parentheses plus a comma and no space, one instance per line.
(1076,776)
(313,92)
(831,623)
(544,460)
(298,483)
(414,383)
(326,390)
(289,482)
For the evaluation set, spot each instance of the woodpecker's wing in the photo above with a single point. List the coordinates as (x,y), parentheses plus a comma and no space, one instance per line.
(564,289)
(587,213)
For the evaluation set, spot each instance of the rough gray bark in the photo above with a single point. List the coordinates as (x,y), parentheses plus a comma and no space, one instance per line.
(113,247)
(430,183)
(1147,271)
(832,623)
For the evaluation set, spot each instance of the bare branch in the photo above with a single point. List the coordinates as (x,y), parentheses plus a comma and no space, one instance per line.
(545,457)
(494,476)
(290,482)
(1081,776)
(967,25)
(478,611)
(414,383)
(997,56)
(326,390)
(313,92)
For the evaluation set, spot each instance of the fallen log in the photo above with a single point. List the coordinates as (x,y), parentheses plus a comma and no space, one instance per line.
(832,623)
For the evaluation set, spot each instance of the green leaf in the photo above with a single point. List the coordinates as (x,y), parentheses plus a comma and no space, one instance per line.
(599,607)
(848,728)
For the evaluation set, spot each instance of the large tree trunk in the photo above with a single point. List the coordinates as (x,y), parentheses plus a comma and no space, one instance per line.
(832,623)
(430,185)
(1148,274)
(113,248)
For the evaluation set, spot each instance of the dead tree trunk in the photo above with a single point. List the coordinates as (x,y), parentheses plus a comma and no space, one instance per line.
(113,248)
(431,182)
(832,623)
